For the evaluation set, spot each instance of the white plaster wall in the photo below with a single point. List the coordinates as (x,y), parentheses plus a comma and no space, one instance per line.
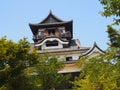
(74,56)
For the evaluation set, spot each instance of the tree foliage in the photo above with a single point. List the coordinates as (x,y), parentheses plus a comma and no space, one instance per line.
(114,37)
(23,69)
(99,73)
(14,59)
(111,8)
(103,71)
(47,72)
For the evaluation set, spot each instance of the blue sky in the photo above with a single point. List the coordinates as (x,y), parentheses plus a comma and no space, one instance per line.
(88,25)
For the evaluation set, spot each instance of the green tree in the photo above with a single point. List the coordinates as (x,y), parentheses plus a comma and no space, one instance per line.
(46,70)
(111,8)
(114,37)
(103,72)
(99,73)
(15,58)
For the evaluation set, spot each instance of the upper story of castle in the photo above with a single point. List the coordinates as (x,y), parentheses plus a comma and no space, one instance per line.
(50,27)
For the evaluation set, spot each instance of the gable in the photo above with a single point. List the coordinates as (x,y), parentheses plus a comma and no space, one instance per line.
(51,19)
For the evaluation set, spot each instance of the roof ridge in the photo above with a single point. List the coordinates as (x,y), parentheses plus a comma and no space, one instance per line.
(53,16)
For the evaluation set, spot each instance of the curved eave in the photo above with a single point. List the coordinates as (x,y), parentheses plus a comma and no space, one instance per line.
(92,49)
(51,39)
(50,24)
(35,27)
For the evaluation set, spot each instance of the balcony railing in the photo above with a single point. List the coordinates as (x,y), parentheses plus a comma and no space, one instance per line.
(66,35)
(62,35)
(38,36)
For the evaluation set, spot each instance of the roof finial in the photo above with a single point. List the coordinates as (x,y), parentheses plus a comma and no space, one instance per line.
(95,44)
(50,11)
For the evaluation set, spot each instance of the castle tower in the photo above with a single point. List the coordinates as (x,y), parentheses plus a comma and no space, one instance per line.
(55,36)
(52,33)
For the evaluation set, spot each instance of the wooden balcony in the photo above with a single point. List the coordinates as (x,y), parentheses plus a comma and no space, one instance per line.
(38,37)
(65,35)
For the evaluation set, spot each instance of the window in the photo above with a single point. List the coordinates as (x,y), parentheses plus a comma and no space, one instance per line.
(40,31)
(39,48)
(51,31)
(68,58)
(51,43)
(62,31)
